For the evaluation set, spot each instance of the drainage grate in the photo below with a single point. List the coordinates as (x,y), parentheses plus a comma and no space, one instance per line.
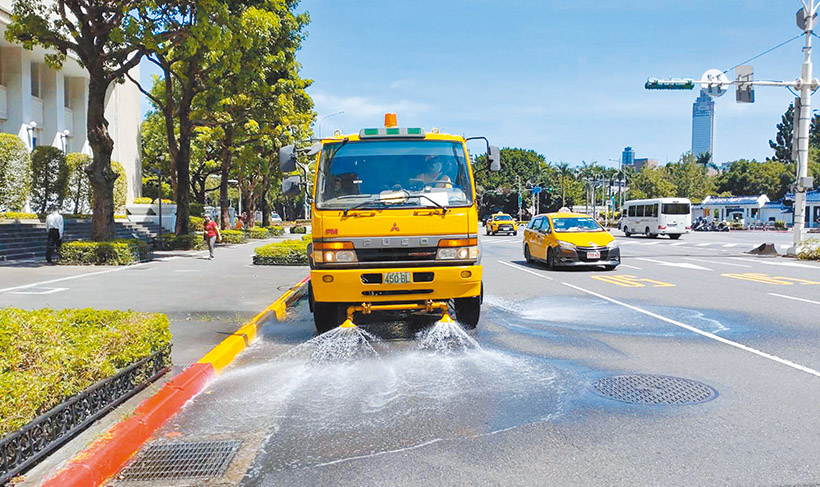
(182,461)
(654,389)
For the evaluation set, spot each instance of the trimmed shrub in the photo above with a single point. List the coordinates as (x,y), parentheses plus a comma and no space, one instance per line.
(298,229)
(120,187)
(196,224)
(191,241)
(15,172)
(234,236)
(114,252)
(276,231)
(289,252)
(17,215)
(780,225)
(49,177)
(258,233)
(165,201)
(142,200)
(47,356)
(809,249)
(78,198)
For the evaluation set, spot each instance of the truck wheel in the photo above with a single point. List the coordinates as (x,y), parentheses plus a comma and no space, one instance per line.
(627,232)
(327,316)
(468,311)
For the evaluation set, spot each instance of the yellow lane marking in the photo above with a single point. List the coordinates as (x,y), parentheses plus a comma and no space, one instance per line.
(625,280)
(767,279)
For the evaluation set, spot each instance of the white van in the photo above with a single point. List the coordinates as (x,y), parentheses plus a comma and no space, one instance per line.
(659,216)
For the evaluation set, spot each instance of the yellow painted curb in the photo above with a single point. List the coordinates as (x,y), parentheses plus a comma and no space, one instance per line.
(226,351)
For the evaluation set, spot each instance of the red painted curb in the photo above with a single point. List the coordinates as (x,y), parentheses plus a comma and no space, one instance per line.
(106,456)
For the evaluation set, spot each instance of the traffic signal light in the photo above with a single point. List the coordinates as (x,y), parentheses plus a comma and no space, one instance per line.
(669,84)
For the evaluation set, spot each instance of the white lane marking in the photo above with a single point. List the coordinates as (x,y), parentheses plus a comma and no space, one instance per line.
(781,264)
(52,281)
(186,270)
(650,243)
(166,259)
(678,244)
(520,268)
(796,299)
(40,291)
(706,334)
(716,262)
(703,244)
(682,265)
(730,245)
(631,267)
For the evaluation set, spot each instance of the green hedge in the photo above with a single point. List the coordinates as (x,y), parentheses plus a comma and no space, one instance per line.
(196,224)
(17,215)
(289,252)
(276,231)
(258,233)
(234,236)
(298,229)
(47,356)
(809,249)
(143,201)
(192,241)
(114,252)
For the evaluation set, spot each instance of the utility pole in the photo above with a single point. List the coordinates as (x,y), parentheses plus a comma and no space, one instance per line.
(715,83)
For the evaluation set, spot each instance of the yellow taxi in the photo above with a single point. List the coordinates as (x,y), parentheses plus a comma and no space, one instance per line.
(501,223)
(570,239)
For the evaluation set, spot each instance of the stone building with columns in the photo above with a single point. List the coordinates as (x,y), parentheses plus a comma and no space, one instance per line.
(47,107)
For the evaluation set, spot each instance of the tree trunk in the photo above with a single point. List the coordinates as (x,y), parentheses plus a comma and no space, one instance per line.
(263,201)
(225,171)
(100,175)
(183,193)
(249,206)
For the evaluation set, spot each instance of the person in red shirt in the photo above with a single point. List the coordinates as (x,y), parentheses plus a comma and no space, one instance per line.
(212,234)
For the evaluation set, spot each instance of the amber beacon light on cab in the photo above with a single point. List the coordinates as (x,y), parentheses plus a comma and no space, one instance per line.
(395,224)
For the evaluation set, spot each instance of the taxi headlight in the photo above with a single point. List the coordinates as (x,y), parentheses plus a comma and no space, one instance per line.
(612,245)
(566,245)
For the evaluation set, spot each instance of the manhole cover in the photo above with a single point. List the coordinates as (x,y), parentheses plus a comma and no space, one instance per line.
(654,389)
(182,461)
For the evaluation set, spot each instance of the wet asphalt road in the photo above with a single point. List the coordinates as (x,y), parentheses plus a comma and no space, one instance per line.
(521,407)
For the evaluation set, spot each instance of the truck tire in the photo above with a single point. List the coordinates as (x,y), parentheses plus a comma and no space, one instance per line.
(468,310)
(327,316)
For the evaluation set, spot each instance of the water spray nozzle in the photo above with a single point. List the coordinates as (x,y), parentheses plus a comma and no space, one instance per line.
(445,318)
(348,323)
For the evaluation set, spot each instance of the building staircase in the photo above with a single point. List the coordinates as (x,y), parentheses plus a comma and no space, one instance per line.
(20,241)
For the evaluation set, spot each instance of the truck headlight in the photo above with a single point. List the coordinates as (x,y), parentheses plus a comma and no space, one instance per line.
(458,253)
(331,256)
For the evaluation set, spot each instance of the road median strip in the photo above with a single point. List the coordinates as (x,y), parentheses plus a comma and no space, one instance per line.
(111,451)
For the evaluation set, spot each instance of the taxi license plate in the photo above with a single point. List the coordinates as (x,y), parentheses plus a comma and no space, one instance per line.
(593,255)
(398,278)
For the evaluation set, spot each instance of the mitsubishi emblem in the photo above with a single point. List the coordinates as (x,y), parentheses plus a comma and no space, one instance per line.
(395,227)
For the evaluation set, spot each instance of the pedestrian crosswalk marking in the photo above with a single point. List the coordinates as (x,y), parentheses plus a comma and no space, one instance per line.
(766,279)
(625,280)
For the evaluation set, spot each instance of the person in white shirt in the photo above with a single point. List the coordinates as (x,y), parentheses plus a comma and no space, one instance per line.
(55,226)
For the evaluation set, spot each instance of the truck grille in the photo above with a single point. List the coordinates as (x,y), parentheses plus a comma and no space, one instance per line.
(396,255)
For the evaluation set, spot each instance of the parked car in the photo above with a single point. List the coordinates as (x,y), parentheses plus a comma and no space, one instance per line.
(275,218)
(570,239)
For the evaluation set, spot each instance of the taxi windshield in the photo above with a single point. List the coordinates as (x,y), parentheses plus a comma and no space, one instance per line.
(576,224)
(393,173)
(506,218)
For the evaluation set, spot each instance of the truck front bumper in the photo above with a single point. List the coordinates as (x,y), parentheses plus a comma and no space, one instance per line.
(366,285)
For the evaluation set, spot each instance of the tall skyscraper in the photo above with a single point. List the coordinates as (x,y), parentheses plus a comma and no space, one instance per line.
(703,125)
(628,156)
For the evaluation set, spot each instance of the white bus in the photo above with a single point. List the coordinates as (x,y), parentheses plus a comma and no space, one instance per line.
(659,216)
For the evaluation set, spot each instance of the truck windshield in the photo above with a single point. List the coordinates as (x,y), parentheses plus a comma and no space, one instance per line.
(393,173)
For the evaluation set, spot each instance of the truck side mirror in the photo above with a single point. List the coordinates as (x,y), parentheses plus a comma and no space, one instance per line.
(291,186)
(494,158)
(314,149)
(287,159)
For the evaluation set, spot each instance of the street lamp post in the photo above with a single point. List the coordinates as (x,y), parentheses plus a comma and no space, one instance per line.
(322,119)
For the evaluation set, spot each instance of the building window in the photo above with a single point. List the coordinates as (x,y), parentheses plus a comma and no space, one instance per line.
(67,92)
(35,80)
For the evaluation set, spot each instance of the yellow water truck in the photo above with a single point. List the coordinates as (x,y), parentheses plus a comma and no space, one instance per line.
(395,224)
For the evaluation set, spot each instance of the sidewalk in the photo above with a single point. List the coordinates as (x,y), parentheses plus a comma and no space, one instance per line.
(205,300)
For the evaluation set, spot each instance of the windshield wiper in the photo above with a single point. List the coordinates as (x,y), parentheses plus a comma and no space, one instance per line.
(365,205)
(431,200)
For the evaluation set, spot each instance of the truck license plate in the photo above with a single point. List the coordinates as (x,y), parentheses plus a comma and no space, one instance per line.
(593,255)
(398,278)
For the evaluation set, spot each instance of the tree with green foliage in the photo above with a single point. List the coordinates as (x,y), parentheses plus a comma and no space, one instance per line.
(105,37)
(650,182)
(690,177)
(751,178)
(782,144)
(79,191)
(15,172)
(49,178)
(120,187)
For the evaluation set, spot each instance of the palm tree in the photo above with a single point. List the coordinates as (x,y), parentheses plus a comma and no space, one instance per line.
(564,171)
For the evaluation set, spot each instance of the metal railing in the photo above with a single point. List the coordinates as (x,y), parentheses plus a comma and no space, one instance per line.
(36,440)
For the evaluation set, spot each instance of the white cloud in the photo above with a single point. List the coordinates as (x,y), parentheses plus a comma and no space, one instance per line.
(361,111)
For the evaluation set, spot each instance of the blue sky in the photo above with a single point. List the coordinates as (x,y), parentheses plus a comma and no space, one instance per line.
(560,77)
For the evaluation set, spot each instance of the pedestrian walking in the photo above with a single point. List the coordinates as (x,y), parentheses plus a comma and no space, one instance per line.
(55,227)
(212,234)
